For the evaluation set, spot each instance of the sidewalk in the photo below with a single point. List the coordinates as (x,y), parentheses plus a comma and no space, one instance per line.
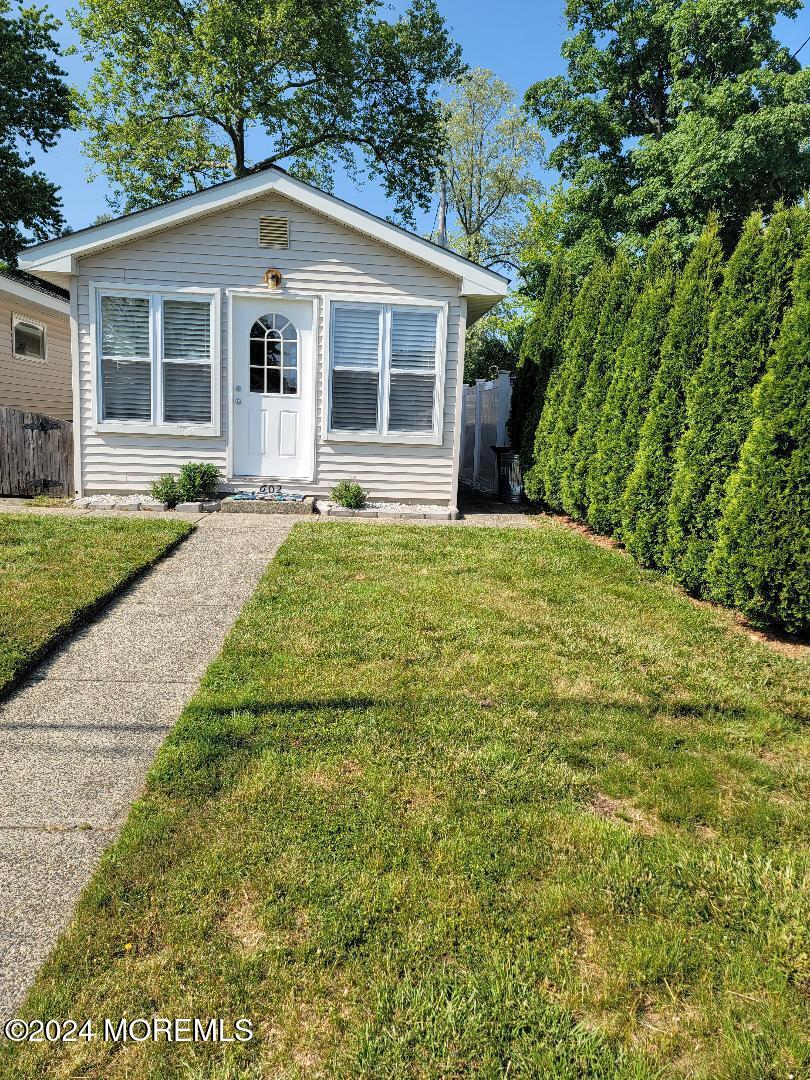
(77,739)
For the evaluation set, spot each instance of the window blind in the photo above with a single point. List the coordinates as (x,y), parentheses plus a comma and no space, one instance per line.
(186,330)
(410,403)
(356,337)
(354,400)
(125,326)
(127,389)
(187,393)
(186,361)
(403,370)
(413,340)
(126,358)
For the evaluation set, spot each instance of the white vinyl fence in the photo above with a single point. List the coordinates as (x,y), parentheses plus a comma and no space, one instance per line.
(485,410)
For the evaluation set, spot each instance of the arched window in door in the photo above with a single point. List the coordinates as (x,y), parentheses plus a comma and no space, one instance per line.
(273,356)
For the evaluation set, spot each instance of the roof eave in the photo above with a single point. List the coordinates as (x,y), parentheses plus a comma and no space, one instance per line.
(60,256)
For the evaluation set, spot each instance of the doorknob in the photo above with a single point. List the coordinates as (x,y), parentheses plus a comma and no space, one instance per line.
(237,401)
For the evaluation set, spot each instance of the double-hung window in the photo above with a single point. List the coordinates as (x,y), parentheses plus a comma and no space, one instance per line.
(156,362)
(385,370)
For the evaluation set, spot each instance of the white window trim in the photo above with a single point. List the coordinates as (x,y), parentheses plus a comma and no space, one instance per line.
(97,290)
(15,320)
(412,438)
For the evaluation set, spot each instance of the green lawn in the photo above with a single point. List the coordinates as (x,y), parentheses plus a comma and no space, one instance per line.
(53,568)
(456,803)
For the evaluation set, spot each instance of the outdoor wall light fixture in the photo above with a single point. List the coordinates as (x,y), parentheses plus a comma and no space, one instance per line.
(272,278)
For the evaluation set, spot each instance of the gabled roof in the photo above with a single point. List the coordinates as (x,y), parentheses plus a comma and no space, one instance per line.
(24,286)
(55,258)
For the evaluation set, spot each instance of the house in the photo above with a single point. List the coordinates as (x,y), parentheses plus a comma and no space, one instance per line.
(272,329)
(35,367)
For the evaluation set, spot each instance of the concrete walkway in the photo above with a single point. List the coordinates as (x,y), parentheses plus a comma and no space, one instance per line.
(77,739)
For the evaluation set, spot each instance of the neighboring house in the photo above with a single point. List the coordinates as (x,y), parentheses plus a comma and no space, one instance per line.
(274,330)
(35,368)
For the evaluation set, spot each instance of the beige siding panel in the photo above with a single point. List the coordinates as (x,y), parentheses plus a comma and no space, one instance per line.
(36,385)
(324,257)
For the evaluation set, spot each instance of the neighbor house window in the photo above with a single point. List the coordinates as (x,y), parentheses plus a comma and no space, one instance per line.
(384,369)
(156,360)
(29,339)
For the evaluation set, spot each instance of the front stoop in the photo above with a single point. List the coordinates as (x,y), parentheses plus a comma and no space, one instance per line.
(267,506)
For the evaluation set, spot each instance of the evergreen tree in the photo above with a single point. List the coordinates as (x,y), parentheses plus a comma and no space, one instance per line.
(542,346)
(577,353)
(762,558)
(745,323)
(627,397)
(646,498)
(620,293)
(542,482)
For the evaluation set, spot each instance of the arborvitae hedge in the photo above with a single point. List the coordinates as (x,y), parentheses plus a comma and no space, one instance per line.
(762,559)
(646,497)
(539,355)
(620,295)
(627,399)
(559,418)
(745,323)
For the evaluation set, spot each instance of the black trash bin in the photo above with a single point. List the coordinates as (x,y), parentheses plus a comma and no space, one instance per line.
(510,475)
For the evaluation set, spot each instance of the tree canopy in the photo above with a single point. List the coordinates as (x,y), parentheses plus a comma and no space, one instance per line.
(34,109)
(185,93)
(492,149)
(671,109)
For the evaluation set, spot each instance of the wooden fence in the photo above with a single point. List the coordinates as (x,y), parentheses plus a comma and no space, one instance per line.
(36,454)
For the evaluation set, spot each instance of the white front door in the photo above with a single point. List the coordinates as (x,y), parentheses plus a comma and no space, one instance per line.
(273,388)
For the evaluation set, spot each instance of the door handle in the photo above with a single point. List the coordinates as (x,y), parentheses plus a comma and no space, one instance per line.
(237,401)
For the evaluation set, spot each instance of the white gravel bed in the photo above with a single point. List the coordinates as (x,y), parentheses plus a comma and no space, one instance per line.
(118,502)
(394,509)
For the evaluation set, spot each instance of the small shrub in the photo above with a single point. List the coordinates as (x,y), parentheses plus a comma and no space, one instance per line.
(165,490)
(198,481)
(348,493)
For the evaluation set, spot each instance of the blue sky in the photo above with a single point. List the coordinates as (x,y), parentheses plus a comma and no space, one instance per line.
(518,39)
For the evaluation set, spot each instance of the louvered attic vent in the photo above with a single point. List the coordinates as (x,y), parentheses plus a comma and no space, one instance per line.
(274,232)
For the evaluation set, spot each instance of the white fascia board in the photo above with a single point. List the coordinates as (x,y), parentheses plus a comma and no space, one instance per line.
(20,291)
(60,255)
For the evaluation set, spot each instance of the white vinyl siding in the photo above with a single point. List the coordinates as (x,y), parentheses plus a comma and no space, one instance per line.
(156,368)
(327,261)
(385,363)
(32,383)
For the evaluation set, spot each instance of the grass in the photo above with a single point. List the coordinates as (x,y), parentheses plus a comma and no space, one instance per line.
(456,803)
(53,570)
